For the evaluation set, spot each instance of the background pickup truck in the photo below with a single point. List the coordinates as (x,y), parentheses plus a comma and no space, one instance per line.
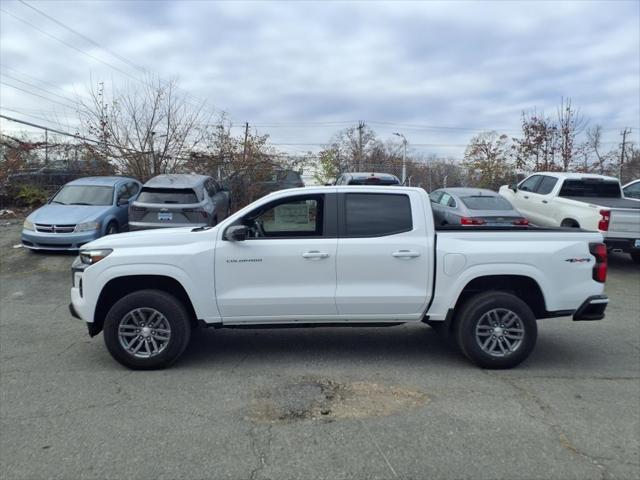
(590,202)
(348,256)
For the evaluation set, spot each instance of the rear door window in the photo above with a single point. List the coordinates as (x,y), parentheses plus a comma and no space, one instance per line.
(376,215)
(168,195)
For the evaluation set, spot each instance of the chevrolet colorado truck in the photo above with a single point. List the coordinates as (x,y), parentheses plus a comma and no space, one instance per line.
(577,200)
(337,256)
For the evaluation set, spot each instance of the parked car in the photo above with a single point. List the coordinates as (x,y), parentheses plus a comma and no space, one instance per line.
(337,255)
(577,200)
(81,211)
(367,178)
(179,200)
(473,206)
(632,190)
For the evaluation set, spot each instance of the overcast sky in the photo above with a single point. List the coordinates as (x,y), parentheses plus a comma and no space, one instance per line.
(437,72)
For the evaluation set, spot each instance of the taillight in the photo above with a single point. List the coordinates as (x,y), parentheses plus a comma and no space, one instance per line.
(204,213)
(521,221)
(603,224)
(472,221)
(599,250)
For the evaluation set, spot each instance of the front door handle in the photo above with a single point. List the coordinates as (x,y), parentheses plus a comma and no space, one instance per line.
(405,254)
(315,254)
(525,196)
(544,201)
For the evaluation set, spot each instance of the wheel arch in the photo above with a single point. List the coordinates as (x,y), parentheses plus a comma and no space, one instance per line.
(118,287)
(574,223)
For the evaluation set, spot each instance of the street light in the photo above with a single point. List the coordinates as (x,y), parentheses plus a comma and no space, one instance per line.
(404,156)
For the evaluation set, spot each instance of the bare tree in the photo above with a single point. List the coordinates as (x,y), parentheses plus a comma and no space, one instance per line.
(594,144)
(571,123)
(146,130)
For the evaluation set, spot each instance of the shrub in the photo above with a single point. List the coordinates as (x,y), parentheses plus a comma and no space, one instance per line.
(31,196)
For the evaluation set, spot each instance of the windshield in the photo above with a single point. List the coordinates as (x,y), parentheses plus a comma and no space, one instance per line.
(590,188)
(84,195)
(486,202)
(167,195)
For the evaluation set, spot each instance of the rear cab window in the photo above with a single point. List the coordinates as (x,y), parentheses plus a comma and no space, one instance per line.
(375,215)
(590,187)
(168,195)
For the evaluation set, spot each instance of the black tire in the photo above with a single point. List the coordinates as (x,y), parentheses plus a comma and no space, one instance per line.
(473,313)
(112,228)
(569,223)
(175,314)
(635,256)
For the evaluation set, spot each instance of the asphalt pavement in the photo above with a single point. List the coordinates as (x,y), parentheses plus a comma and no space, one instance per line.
(323,403)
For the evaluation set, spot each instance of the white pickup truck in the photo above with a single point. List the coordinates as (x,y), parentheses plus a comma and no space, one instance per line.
(577,200)
(336,256)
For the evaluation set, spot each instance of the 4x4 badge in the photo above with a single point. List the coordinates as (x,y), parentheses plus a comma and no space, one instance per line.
(578,260)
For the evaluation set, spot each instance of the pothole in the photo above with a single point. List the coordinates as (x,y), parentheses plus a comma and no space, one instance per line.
(327,400)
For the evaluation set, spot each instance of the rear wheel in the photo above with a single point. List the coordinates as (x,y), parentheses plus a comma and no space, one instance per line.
(148,329)
(496,330)
(569,223)
(635,256)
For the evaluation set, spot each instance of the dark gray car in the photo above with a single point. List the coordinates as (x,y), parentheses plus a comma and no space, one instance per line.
(179,200)
(473,206)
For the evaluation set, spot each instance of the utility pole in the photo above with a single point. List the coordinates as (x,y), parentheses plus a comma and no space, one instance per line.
(246,136)
(46,146)
(624,134)
(360,128)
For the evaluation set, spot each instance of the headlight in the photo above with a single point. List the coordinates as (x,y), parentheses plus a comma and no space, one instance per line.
(87,226)
(28,225)
(90,257)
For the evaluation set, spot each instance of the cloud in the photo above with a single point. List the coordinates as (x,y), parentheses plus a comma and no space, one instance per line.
(470,65)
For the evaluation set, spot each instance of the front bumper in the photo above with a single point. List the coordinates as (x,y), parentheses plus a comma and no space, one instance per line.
(592,308)
(57,241)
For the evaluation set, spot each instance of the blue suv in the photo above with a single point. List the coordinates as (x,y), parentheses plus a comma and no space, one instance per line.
(81,211)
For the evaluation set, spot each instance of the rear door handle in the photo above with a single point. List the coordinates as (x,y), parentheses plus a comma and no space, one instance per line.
(544,201)
(315,254)
(405,254)
(526,197)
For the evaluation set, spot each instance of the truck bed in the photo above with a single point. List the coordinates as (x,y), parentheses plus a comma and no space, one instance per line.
(608,202)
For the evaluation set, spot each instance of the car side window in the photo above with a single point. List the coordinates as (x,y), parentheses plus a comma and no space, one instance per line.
(133,189)
(530,184)
(444,200)
(632,191)
(122,193)
(210,189)
(452,203)
(376,215)
(546,185)
(289,218)
(435,196)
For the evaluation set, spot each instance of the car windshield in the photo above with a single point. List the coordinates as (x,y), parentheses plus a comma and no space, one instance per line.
(373,181)
(486,202)
(590,188)
(84,195)
(168,195)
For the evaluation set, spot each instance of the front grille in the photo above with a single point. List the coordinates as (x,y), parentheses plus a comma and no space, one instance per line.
(47,228)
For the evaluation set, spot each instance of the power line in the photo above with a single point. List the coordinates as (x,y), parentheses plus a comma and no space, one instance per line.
(35,117)
(42,89)
(36,95)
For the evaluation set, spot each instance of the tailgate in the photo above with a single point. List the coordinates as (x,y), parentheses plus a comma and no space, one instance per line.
(624,223)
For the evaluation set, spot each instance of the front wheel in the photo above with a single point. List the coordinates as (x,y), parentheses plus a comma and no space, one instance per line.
(147,329)
(635,256)
(496,330)
(112,228)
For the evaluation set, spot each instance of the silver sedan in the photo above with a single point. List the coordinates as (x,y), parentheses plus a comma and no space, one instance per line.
(473,206)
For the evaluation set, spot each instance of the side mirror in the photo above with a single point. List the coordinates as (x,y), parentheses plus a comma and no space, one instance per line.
(514,187)
(237,233)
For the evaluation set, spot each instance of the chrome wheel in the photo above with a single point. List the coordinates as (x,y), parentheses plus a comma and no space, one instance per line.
(144,332)
(499,332)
